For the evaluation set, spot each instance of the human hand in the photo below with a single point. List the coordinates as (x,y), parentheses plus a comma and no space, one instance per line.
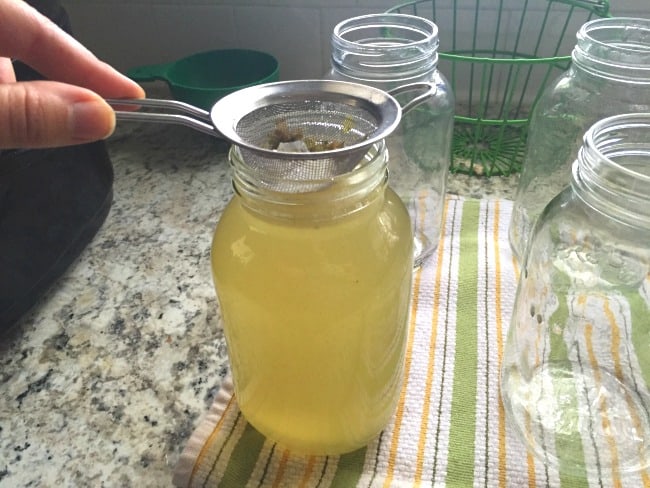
(70,110)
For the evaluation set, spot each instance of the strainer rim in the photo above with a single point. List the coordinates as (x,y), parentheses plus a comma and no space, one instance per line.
(229,110)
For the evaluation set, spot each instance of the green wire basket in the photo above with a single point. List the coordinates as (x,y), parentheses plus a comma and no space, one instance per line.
(498,56)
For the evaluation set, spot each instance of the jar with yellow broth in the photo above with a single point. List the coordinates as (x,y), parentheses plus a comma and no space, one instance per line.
(313,278)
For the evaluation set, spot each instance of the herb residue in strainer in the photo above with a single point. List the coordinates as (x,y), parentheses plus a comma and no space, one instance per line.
(285,139)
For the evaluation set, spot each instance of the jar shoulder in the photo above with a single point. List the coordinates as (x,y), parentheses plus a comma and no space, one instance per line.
(385,219)
(576,92)
(568,219)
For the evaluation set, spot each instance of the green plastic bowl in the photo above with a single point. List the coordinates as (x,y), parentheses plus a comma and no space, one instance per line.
(203,78)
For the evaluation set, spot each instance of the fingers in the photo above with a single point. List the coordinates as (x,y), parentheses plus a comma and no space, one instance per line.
(7,74)
(47,114)
(32,38)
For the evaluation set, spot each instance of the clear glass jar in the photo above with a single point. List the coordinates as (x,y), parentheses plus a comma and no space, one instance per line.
(387,51)
(576,371)
(609,75)
(314,283)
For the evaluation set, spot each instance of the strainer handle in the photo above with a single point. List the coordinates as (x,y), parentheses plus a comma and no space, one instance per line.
(428,89)
(189,116)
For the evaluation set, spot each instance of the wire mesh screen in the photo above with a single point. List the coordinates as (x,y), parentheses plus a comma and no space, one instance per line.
(498,56)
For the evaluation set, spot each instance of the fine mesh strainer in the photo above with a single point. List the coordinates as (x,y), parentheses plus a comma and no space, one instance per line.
(304,130)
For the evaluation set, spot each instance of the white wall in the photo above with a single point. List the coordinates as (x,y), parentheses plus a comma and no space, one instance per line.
(128,33)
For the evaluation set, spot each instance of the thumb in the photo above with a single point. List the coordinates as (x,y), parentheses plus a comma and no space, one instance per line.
(48,114)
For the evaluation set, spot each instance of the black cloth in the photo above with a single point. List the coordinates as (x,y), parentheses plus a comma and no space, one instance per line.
(52,203)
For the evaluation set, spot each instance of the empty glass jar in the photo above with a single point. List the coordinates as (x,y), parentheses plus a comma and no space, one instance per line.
(576,371)
(313,277)
(387,51)
(609,75)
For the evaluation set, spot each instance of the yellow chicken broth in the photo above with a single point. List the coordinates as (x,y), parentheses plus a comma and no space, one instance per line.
(315,320)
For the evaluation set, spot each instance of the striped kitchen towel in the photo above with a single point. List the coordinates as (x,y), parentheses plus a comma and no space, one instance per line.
(449,428)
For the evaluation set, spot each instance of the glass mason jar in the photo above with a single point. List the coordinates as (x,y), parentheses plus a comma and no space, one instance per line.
(609,75)
(391,50)
(314,279)
(576,371)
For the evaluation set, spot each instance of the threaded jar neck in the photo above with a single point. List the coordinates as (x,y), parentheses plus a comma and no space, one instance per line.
(612,170)
(385,47)
(615,48)
(286,193)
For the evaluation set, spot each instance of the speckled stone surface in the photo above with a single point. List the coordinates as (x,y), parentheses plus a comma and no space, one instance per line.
(104,380)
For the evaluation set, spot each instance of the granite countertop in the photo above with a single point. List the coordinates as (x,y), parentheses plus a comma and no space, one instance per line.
(105,379)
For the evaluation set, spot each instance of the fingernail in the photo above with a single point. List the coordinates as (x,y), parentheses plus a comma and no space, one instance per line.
(92,120)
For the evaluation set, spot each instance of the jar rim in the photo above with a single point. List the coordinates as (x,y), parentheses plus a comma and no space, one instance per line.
(420,25)
(385,47)
(606,184)
(600,130)
(279,196)
(282,181)
(616,48)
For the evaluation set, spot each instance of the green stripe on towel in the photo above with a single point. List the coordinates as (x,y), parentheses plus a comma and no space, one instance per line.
(463,405)
(246,453)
